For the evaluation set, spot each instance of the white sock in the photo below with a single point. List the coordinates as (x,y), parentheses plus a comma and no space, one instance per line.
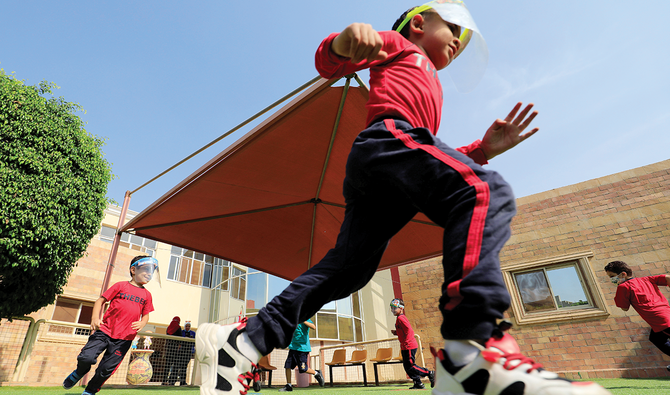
(461,352)
(247,348)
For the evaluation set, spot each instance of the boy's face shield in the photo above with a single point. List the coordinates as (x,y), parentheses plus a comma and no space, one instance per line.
(145,268)
(471,65)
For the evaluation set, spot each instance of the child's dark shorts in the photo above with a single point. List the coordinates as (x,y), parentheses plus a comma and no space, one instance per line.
(296,358)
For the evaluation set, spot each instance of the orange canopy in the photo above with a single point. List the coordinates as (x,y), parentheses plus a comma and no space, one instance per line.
(273,200)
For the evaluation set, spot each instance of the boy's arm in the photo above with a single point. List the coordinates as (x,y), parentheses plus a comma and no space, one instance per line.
(506,134)
(138,325)
(349,51)
(621,299)
(96,319)
(310,325)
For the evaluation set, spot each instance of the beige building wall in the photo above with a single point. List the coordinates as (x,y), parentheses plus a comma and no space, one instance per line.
(376,297)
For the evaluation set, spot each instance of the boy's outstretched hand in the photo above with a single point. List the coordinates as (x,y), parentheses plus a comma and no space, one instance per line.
(506,134)
(359,41)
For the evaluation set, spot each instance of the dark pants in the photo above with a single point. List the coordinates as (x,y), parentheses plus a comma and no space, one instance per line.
(414,371)
(296,358)
(393,172)
(115,350)
(661,340)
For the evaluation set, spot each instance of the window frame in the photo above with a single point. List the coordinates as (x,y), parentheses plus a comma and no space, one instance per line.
(129,240)
(182,268)
(598,306)
(56,330)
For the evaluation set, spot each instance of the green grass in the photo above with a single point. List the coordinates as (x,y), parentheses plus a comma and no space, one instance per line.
(658,386)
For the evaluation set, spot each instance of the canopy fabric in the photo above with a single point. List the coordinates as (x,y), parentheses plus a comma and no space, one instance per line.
(273,200)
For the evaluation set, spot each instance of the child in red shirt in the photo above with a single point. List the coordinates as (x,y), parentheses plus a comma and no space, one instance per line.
(408,347)
(643,294)
(396,168)
(129,307)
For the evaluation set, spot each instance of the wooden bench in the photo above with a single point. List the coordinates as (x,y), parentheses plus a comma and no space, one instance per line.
(358,358)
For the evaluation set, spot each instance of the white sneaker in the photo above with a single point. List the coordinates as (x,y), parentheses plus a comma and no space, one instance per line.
(495,372)
(225,370)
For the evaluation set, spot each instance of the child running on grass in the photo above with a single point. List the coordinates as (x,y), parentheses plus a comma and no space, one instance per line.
(129,307)
(408,345)
(298,352)
(397,167)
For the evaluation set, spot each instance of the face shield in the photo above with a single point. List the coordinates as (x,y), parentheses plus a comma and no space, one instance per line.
(396,304)
(471,65)
(145,268)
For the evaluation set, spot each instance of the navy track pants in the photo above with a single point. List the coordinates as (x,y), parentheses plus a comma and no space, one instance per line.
(414,371)
(115,350)
(393,172)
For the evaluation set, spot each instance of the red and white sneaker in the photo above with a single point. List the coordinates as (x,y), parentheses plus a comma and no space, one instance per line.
(224,369)
(497,371)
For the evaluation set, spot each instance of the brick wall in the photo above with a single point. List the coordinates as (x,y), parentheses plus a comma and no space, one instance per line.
(625,216)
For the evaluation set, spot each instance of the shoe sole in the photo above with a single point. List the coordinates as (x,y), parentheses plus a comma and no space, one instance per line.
(207,353)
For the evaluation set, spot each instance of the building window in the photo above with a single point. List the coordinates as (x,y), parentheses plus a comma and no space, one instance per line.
(133,242)
(72,311)
(196,268)
(556,289)
(341,320)
(338,320)
(238,283)
(220,274)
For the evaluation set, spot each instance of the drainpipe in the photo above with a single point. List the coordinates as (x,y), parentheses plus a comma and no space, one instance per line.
(115,244)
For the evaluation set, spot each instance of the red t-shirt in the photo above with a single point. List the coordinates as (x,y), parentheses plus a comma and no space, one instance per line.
(404,85)
(127,304)
(405,333)
(645,297)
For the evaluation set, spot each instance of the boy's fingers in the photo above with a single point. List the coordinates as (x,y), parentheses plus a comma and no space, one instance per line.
(382,55)
(512,113)
(522,114)
(528,134)
(529,120)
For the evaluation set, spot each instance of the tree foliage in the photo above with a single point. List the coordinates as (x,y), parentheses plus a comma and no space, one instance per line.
(53,184)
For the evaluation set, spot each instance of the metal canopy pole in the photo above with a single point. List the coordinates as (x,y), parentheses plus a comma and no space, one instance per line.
(336,126)
(115,244)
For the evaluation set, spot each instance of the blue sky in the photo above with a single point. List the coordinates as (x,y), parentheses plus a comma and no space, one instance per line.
(160,79)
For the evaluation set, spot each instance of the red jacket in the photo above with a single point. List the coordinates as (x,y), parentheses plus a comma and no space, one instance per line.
(404,85)
(405,333)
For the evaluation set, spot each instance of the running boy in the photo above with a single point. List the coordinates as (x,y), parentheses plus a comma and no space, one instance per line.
(396,168)
(408,346)
(297,355)
(645,297)
(129,308)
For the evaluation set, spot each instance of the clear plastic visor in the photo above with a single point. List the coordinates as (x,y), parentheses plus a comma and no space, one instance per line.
(468,70)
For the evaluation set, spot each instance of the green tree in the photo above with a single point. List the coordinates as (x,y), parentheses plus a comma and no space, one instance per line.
(53,184)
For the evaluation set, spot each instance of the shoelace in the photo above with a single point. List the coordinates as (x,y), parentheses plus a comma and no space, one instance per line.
(249,377)
(522,360)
